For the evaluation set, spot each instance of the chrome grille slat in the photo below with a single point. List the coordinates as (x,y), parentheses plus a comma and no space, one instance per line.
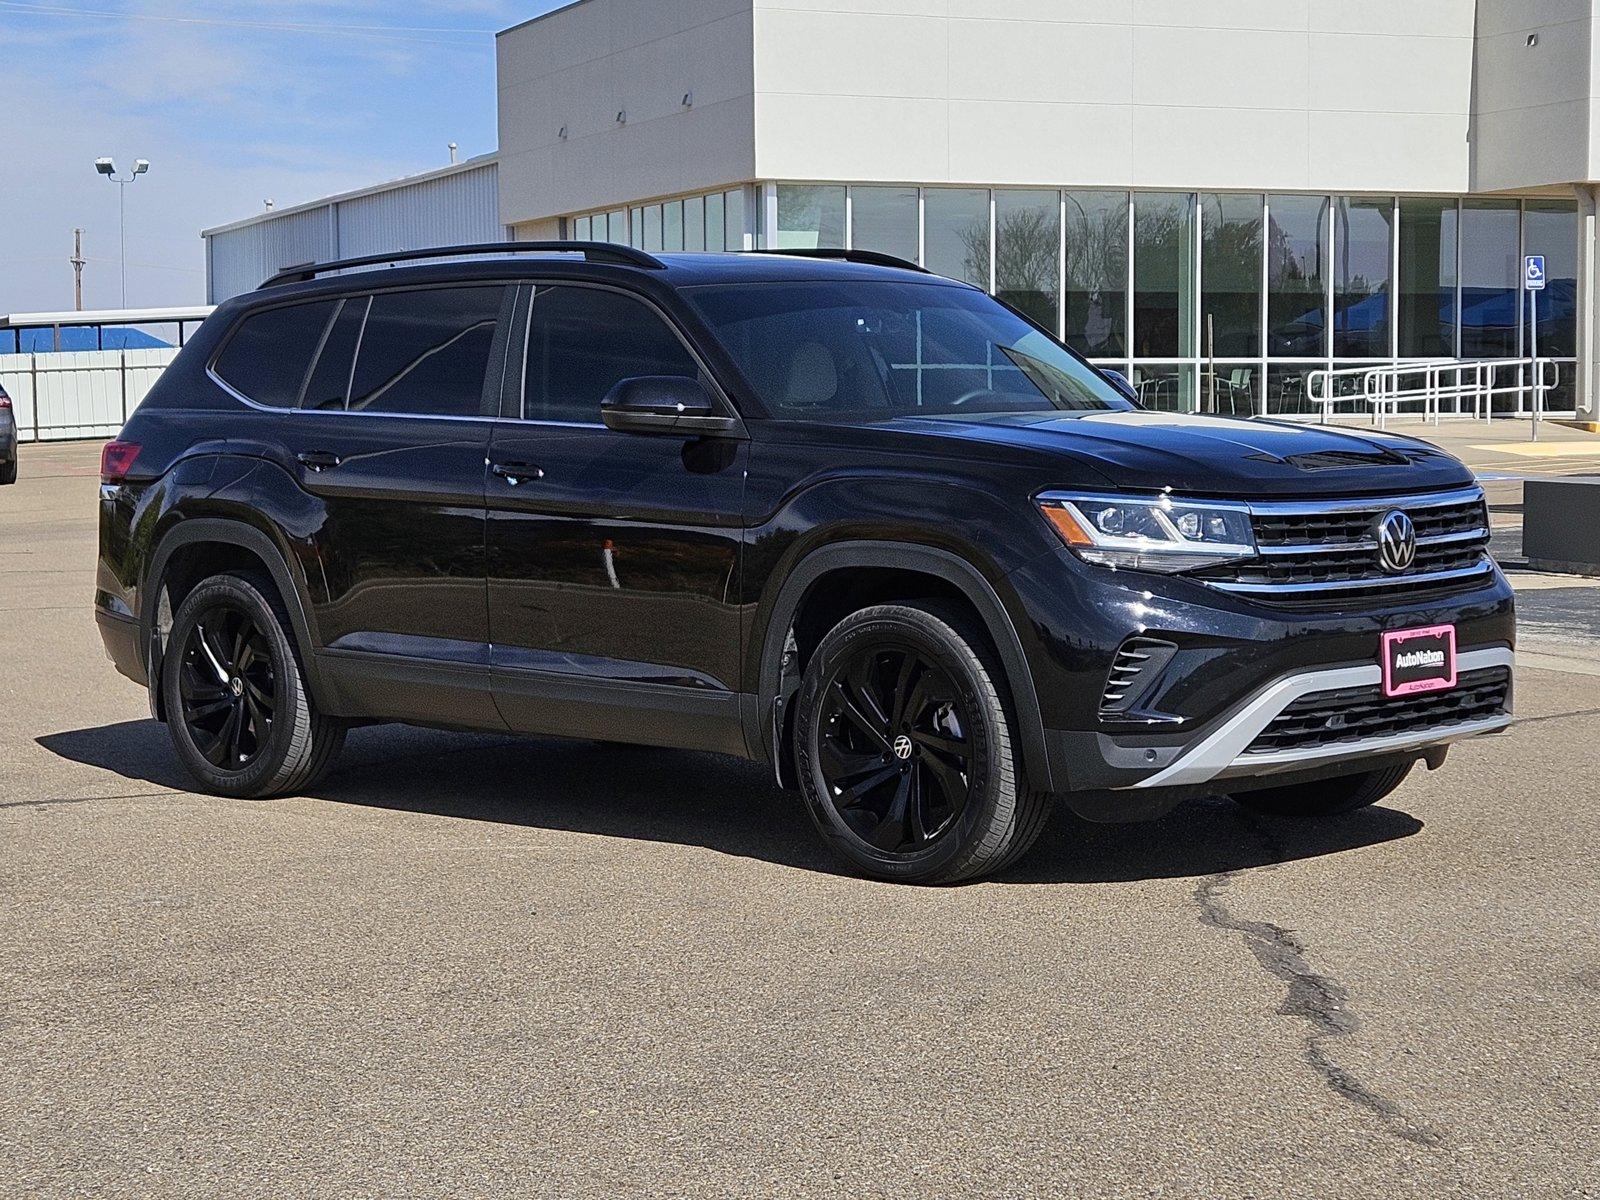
(1308,547)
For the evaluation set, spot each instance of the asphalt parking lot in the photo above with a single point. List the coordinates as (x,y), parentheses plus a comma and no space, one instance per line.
(475,966)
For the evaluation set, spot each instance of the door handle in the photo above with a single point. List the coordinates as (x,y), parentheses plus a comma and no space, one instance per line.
(319,460)
(515,472)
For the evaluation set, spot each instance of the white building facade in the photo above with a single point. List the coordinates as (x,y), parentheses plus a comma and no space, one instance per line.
(1217,198)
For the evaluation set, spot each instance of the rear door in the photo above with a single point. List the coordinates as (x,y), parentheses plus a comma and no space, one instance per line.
(391,437)
(613,557)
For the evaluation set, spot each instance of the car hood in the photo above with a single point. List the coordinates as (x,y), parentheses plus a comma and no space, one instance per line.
(1206,455)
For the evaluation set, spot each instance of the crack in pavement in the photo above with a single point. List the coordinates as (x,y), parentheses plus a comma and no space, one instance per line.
(1312,997)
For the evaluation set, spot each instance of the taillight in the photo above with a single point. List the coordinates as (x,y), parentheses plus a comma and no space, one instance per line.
(5,400)
(116,460)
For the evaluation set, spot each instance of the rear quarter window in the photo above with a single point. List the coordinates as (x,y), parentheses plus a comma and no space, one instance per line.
(269,353)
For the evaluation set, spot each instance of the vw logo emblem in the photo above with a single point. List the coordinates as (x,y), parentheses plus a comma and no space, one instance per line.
(902,747)
(1397,542)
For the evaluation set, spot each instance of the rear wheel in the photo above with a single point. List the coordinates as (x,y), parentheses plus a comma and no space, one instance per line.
(1326,797)
(237,708)
(8,472)
(905,750)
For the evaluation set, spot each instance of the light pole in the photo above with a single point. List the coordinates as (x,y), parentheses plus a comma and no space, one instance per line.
(109,169)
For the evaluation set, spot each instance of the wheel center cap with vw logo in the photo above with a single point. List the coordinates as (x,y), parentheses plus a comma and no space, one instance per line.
(1397,542)
(902,747)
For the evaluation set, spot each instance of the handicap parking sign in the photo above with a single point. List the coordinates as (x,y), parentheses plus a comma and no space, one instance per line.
(1533,272)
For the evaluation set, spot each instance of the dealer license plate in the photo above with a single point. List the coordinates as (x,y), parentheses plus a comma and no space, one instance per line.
(1419,660)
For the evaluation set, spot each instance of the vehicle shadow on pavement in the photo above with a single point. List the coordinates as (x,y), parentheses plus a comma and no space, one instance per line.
(723,804)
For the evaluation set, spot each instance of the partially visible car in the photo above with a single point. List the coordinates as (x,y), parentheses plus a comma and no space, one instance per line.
(8,440)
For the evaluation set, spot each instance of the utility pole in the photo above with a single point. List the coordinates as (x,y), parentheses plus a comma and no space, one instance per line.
(77,261)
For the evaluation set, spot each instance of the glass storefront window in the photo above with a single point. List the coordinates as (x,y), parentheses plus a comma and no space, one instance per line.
(616,226)
(733,219)
(884,219)
(1232,390)
(1163,274)
(1361,261)
(636,228)
(716,239)
(1427,307)
(582,229)
(1297,239)
(956,234)
(1097,273)
(1230,273)
(1027,231)
(1286,389)
(1551,229)
(672,226)
(1165,387)
(694,224)
(1491,279)
(652,228)
(810,218)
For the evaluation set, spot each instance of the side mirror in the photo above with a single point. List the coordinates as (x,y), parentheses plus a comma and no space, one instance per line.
(1120,382)
(669,404)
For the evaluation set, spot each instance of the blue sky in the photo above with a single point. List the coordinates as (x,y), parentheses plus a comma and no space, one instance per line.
(233,103)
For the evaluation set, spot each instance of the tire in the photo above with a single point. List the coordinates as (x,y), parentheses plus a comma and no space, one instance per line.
(1326,797)
(901,714)
(238,712)
(8,472)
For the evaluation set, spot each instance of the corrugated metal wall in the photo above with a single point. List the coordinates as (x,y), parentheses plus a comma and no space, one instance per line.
(461,208)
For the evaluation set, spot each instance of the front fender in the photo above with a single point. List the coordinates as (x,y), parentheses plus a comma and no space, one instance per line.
(931,560)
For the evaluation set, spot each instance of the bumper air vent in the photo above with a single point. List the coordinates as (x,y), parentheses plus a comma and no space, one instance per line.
(1138,664)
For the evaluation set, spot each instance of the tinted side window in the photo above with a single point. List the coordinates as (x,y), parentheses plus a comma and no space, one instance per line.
(426,352)
(583,341)
(270,352)
(329,385)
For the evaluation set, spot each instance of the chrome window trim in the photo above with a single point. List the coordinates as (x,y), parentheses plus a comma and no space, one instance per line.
(1483,567)
(339,299)
(538,285)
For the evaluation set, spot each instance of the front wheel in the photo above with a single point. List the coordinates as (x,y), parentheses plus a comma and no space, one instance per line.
(905,749)
(237,708)
(1326,797)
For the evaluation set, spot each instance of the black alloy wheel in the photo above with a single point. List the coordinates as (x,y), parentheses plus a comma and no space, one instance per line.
(234,694)
(903,747)
(894,748)
(229,687)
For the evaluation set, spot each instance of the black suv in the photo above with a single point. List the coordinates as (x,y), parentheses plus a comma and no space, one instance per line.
(824,511)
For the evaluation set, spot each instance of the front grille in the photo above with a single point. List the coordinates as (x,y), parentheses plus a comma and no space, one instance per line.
(1362,713)
(1309,552)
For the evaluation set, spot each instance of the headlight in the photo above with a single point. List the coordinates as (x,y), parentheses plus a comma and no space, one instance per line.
(1151,534)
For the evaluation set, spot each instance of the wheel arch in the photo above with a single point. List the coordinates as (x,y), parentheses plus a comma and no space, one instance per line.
(958,577)
(257,548)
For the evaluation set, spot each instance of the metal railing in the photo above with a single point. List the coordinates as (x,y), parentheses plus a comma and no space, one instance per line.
(1432,385)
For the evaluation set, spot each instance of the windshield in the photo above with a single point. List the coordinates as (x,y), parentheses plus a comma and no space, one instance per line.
(871,350)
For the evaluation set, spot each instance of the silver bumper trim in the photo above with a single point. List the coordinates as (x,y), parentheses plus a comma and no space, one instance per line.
(1223,751)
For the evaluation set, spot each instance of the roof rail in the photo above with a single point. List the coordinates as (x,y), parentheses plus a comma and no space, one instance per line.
(868,257)
(602,252)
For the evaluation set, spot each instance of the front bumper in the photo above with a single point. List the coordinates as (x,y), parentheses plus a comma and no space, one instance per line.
(1237,666)
(1226,751)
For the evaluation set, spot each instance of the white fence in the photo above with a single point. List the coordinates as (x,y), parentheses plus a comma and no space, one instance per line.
(79,394)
